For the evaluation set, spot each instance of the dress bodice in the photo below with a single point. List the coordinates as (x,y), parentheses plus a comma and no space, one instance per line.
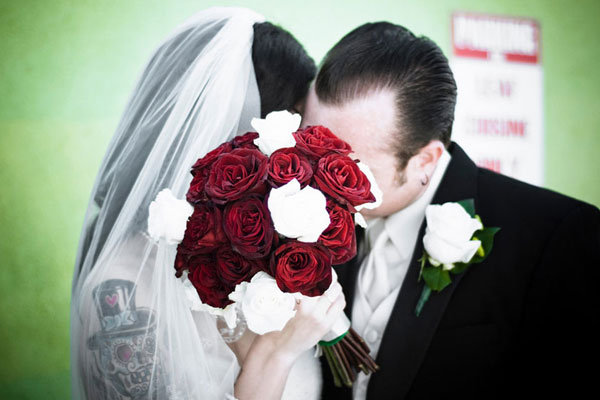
(304,381)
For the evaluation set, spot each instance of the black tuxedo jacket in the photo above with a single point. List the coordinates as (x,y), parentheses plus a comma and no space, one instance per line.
(520,323)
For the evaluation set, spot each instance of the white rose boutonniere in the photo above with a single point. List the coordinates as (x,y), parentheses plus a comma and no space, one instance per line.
(454,239)
(447,239)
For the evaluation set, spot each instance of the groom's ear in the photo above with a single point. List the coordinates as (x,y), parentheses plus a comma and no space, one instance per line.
(299,106)
(427,158)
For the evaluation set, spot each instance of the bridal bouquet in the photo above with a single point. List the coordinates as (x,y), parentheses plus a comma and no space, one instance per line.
(266,216)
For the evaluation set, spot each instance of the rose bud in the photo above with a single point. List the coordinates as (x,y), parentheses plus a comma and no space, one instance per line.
(248,226)
(302,267)
(237,174)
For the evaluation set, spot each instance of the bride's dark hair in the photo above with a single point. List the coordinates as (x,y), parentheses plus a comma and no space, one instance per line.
(283,68)
(283,72)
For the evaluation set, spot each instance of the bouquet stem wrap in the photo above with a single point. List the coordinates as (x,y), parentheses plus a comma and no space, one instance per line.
(339,328)
(346,353)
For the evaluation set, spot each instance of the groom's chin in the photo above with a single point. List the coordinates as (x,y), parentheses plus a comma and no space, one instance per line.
(372,214)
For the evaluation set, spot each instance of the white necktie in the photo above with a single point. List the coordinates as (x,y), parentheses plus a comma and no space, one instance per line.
(374,277)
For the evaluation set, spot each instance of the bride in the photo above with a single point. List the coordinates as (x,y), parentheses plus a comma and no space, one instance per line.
(133,334)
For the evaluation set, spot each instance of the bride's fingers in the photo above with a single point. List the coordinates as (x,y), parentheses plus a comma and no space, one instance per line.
(326,307)
(327,299)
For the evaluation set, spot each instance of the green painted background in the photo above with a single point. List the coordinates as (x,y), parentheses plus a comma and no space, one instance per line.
(67,68)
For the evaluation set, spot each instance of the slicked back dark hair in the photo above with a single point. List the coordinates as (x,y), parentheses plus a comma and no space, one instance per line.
(283,69)
(383,55)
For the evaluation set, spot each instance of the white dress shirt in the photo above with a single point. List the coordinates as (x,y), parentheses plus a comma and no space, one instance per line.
(382,272)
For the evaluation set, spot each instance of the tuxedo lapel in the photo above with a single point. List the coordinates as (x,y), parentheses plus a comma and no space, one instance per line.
(348,272)
(407,337)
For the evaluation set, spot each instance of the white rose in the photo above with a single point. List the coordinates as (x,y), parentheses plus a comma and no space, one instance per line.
(265,307)
(167,217)
(275,131)
(299,214)
(448,235)
(374,188)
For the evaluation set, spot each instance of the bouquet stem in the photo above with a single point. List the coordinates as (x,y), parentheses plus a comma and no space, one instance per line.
(347,357)
(334,371)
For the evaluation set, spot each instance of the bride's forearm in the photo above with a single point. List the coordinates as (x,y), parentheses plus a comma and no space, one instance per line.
(264,371)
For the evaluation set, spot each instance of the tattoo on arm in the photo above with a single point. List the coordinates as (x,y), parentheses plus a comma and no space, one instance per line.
(126,362)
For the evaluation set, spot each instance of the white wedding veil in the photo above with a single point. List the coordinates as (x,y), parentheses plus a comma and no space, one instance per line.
(132,332)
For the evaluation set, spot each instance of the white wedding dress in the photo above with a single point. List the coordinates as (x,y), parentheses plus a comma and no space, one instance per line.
(304,381)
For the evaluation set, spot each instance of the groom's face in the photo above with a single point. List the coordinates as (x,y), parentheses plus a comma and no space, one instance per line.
(368,124)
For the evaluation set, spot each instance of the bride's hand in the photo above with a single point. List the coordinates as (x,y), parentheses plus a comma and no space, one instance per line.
(314,318)
(270,357)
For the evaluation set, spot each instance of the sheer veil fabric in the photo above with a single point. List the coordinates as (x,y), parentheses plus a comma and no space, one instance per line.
(132,332)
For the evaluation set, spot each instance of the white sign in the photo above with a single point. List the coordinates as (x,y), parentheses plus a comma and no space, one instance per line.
(499,112)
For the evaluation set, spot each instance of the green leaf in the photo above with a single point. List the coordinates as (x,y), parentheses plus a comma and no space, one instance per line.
(486,236)
(459,268)
(469,206)
(436,278)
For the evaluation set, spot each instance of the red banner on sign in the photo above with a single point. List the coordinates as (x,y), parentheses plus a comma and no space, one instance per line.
(488,36)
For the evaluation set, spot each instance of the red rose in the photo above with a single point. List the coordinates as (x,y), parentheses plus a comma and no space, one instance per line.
(317,141)
(203,275)
(210,157)
(302,267)
(246,140)
(233,268)
(339,237)
(196,193)
(247,224)
(286,164)
(204,232)
(236,174)
(181,261)
(200,171)
(340,177)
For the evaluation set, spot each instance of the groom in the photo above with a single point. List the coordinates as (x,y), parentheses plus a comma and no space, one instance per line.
(520,323)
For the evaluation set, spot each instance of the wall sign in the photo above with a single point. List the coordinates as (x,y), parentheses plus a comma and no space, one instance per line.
(496,62)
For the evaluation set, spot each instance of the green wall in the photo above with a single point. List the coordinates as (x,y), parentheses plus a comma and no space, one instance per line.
(67,68)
